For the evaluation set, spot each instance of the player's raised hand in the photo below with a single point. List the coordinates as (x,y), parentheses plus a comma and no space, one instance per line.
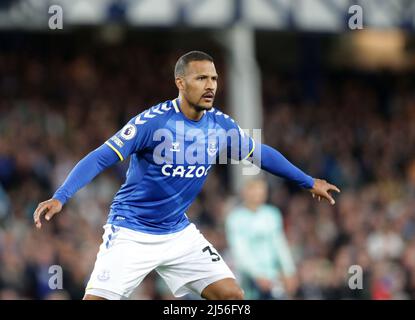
(48,208)
(322,189)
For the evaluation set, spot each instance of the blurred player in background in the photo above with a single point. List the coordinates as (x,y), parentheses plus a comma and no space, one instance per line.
(147,227)
(258,245)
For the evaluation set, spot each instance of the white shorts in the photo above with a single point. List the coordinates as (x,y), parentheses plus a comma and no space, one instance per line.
(186,261)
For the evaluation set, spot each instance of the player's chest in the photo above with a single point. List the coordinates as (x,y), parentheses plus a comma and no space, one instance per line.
(187,145)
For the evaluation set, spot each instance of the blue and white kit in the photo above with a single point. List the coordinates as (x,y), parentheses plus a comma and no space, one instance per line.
(170,158)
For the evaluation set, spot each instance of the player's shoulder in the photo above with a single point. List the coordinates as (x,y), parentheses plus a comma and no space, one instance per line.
(156,115)
(221,118)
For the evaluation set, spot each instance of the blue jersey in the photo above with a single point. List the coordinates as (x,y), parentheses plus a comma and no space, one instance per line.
(170,158)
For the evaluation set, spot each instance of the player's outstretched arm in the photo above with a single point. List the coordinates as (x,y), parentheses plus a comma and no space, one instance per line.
(274,162)
(86,170)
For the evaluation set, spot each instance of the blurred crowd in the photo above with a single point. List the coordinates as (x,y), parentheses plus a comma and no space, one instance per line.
(358,132)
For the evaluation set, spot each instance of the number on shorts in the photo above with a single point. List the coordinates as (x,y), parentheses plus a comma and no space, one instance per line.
(215,256)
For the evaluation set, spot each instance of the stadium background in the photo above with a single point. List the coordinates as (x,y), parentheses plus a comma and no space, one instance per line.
(338,103)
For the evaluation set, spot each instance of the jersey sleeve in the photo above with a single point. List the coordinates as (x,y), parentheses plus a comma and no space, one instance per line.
(275,163)
(133,137)
(240,145)
(85,170)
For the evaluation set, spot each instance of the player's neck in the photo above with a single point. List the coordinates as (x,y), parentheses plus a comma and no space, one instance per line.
(189,111)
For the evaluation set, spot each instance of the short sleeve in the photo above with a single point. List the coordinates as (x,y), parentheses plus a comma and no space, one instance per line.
(133,137)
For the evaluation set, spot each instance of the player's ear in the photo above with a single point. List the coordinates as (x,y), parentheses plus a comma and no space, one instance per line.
(180,83)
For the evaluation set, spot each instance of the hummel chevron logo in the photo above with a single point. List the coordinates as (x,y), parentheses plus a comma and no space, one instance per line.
(142,118)
(149,115)
(165,107)
(156,110)
(139,121)
(220,113)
